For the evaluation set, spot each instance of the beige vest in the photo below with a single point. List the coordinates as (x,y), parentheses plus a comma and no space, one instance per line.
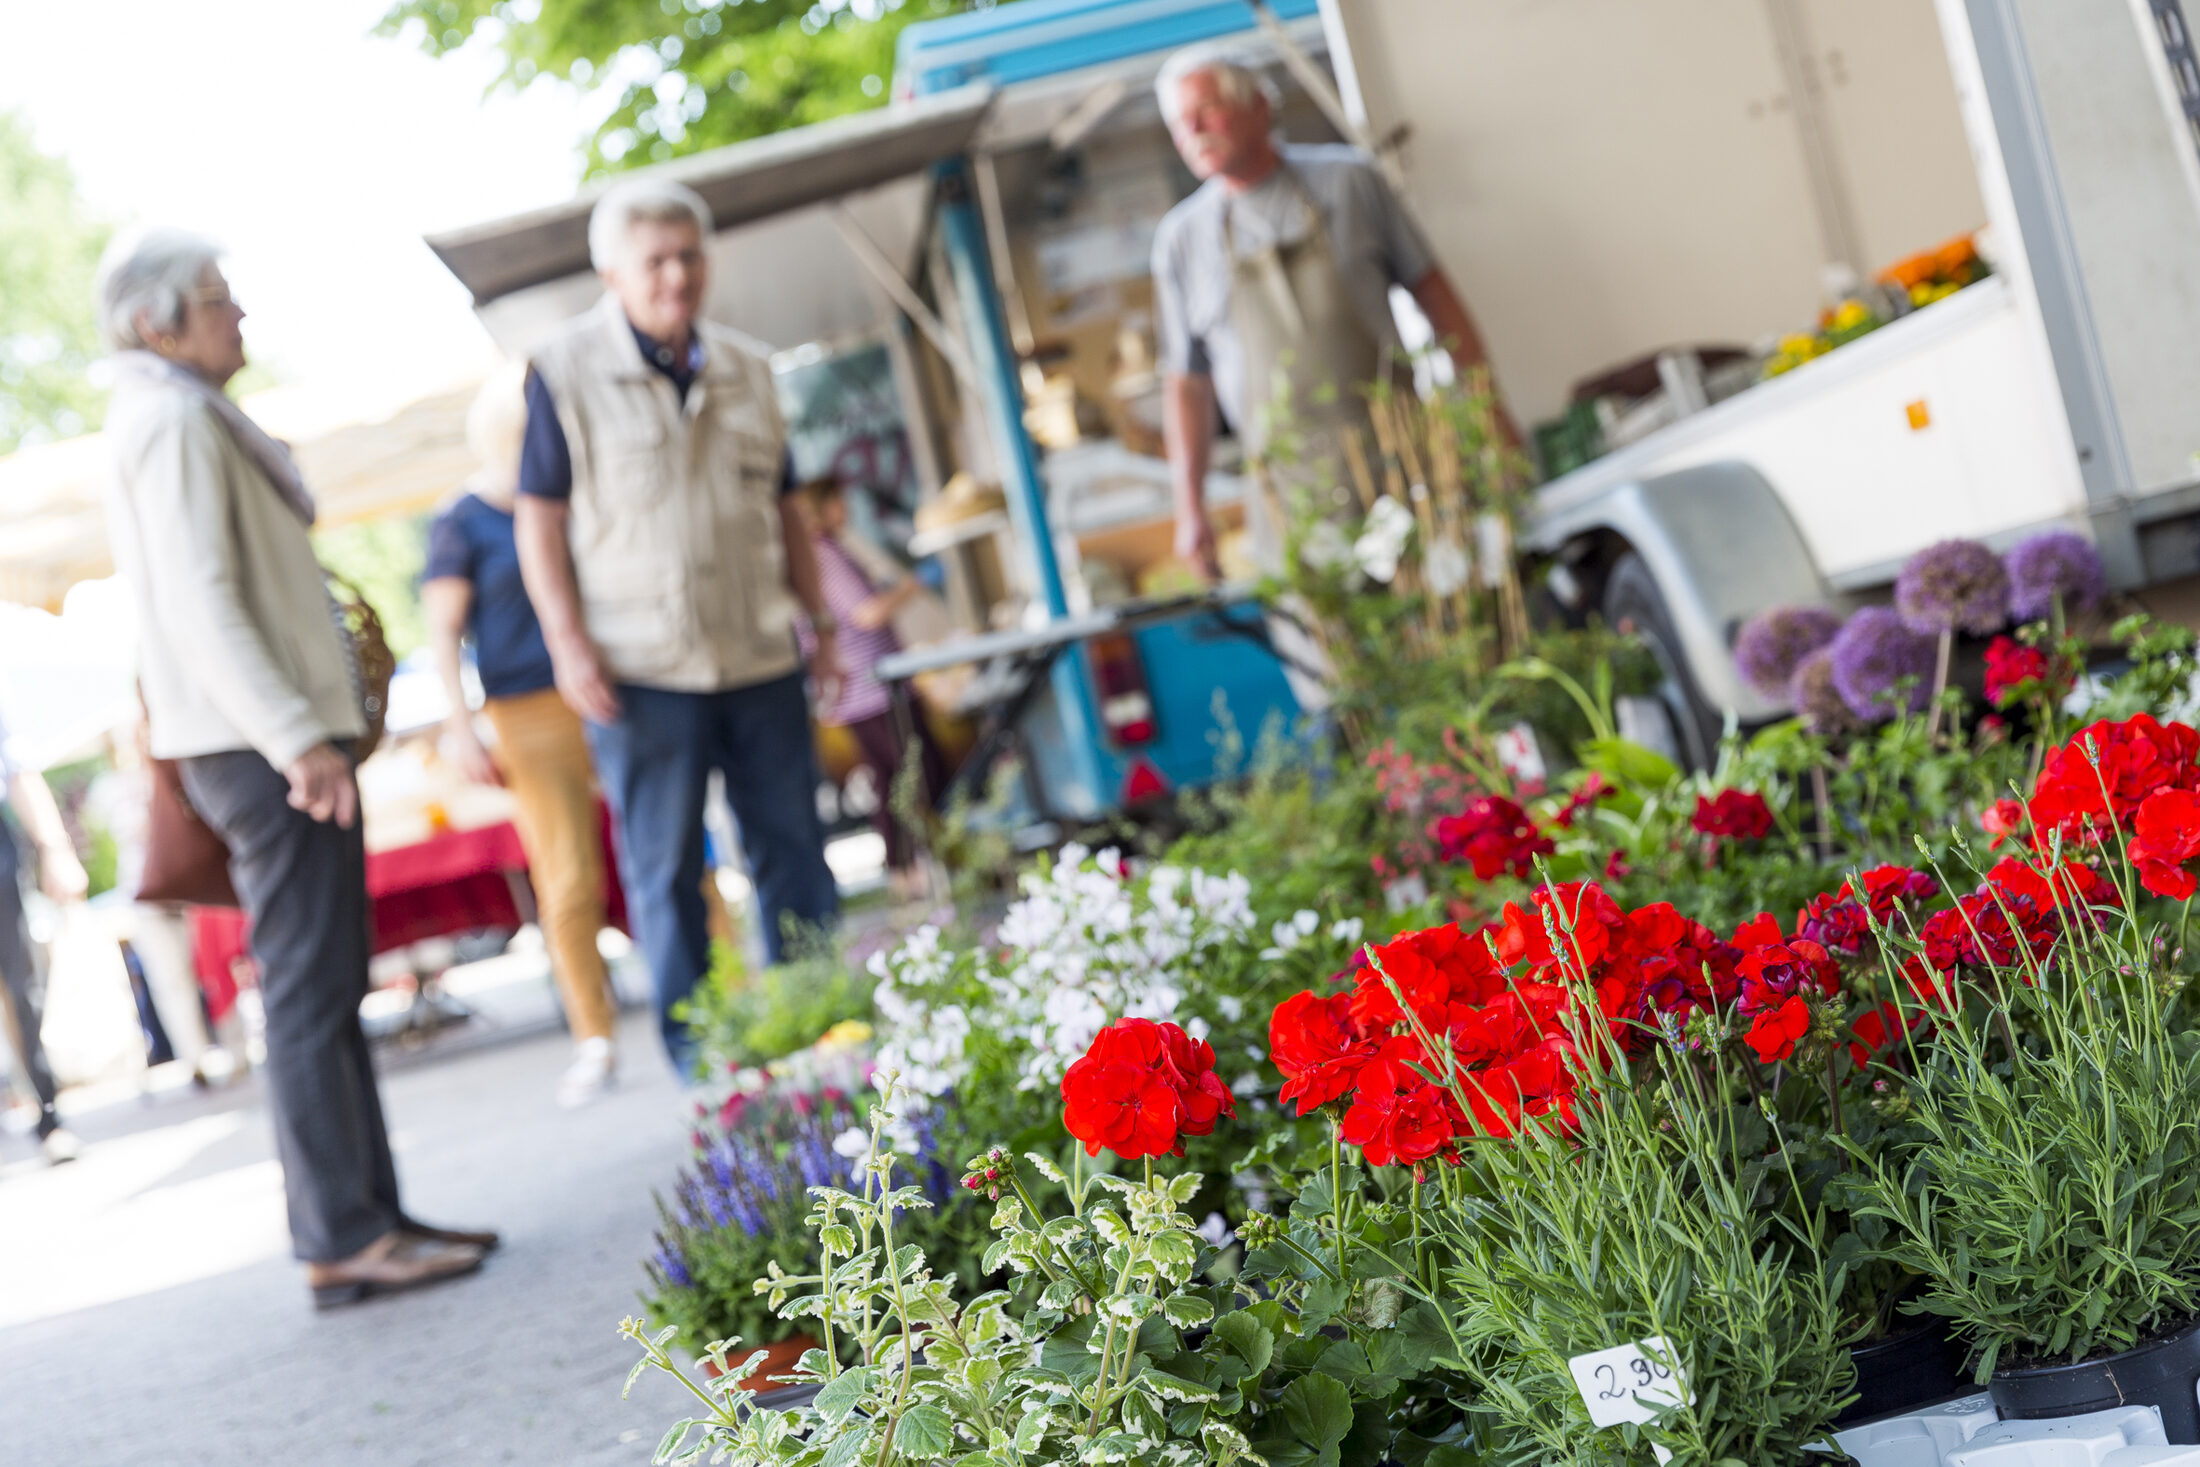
(675,511)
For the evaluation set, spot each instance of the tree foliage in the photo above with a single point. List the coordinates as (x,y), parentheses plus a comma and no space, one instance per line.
(679,76)
(49,249)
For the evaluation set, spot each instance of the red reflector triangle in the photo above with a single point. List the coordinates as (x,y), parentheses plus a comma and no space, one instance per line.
(1143,783)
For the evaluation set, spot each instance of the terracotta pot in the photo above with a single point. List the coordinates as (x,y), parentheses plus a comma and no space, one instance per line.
(780,1359)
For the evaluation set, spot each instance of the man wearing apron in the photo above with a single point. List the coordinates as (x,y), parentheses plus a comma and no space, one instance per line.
(1272,285)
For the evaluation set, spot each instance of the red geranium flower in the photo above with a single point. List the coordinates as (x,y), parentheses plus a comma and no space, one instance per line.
(1319,1048)
(1780,970)
(1493,835)
(2012,915)
(1759,931)
(2003,819)
(1735,814)
(1202,1098)
(2168,836)
(1509,1022)
(1584,917)
(1433,967)
(1681,965)
(2137,757)
(1933,990)
(1835,921)
(1875,1029)
(2014,671)
(1140,1088)
(1398,1115)
(1775,1032)
(1536,1082)
(1590,791)
(1884,886)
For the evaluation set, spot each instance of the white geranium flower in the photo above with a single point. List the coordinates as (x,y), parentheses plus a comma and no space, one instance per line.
(1383,539)
(1325,547)
(1446,566)
(1406,891)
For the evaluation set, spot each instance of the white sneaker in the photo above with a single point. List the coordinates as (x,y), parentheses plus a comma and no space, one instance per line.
(60,1145)
(594,1064)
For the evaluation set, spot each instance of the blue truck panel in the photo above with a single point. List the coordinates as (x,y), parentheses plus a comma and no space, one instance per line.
(1041,38)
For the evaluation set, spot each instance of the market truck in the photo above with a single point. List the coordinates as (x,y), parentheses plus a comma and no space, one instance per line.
(1615,182)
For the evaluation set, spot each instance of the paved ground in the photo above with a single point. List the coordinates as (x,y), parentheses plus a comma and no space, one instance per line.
(149,1312)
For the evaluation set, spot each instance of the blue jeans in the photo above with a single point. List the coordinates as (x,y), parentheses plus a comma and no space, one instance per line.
(655,765)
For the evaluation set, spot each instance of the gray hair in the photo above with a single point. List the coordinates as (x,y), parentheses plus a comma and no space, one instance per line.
(148,272)
(658,200)
(1236,78)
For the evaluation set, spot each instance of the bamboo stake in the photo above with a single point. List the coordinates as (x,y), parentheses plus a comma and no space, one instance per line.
(1363,480)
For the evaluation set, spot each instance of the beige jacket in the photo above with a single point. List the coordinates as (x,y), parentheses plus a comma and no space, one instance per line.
(237,642)
(675,530)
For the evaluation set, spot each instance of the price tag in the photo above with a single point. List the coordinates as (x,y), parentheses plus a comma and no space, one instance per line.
(1631,1382)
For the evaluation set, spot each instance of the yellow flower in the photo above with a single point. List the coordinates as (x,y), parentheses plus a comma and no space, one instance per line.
(847,1032)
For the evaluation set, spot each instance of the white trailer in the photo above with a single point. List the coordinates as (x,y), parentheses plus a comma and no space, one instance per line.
(1607,178)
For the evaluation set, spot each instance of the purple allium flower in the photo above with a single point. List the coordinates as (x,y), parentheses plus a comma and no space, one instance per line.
(1816,700)
(1955,585)
(1873,653)
(1774,640)
(2050,564)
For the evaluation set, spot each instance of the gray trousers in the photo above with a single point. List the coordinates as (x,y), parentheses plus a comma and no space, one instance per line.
(23,984)
(303,884)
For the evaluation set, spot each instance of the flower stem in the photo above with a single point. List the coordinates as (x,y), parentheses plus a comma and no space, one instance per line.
(1336,1191)
(1940,682)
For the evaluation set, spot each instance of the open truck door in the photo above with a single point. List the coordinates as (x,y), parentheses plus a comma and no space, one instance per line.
(1612,183)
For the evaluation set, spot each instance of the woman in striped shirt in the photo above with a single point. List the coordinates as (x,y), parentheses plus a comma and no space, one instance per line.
(865,611)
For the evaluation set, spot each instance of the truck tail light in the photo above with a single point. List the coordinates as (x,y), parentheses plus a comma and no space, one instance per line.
(1119,680)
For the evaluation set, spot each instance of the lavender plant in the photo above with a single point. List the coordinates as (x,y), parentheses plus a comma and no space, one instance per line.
(741,1207)
(1644,1226)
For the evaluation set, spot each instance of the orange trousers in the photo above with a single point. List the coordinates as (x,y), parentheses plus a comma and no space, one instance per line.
(543,756)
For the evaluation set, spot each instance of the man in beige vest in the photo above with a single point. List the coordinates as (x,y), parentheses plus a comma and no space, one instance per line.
(666,565)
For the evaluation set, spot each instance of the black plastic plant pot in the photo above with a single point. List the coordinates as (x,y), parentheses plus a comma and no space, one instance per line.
(1918,1367)
(2164,1374)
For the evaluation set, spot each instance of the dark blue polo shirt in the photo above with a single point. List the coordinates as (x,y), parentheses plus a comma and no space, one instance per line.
(472,541)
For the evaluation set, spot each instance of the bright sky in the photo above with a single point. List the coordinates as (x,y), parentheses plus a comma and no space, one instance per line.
(318,153)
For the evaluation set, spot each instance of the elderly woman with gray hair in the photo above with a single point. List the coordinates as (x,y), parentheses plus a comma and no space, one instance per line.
(249,685)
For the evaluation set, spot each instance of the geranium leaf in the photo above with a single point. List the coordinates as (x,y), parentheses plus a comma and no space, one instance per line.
(925,1431)
(840,1396)
(1247,1338)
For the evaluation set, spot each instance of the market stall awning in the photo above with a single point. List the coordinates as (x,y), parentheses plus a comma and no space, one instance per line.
(360,465)
(743,184)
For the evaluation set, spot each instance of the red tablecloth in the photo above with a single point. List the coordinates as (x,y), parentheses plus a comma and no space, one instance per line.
(454,882)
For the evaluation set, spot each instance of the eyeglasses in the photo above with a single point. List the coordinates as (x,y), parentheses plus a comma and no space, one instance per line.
(217,296)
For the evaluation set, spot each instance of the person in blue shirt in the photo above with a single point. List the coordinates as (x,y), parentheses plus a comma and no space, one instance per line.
(472,590)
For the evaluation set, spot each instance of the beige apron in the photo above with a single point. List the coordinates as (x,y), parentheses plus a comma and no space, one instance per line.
(1308,359)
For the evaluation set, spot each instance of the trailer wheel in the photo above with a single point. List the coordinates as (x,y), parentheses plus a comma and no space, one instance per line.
(1634,605)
